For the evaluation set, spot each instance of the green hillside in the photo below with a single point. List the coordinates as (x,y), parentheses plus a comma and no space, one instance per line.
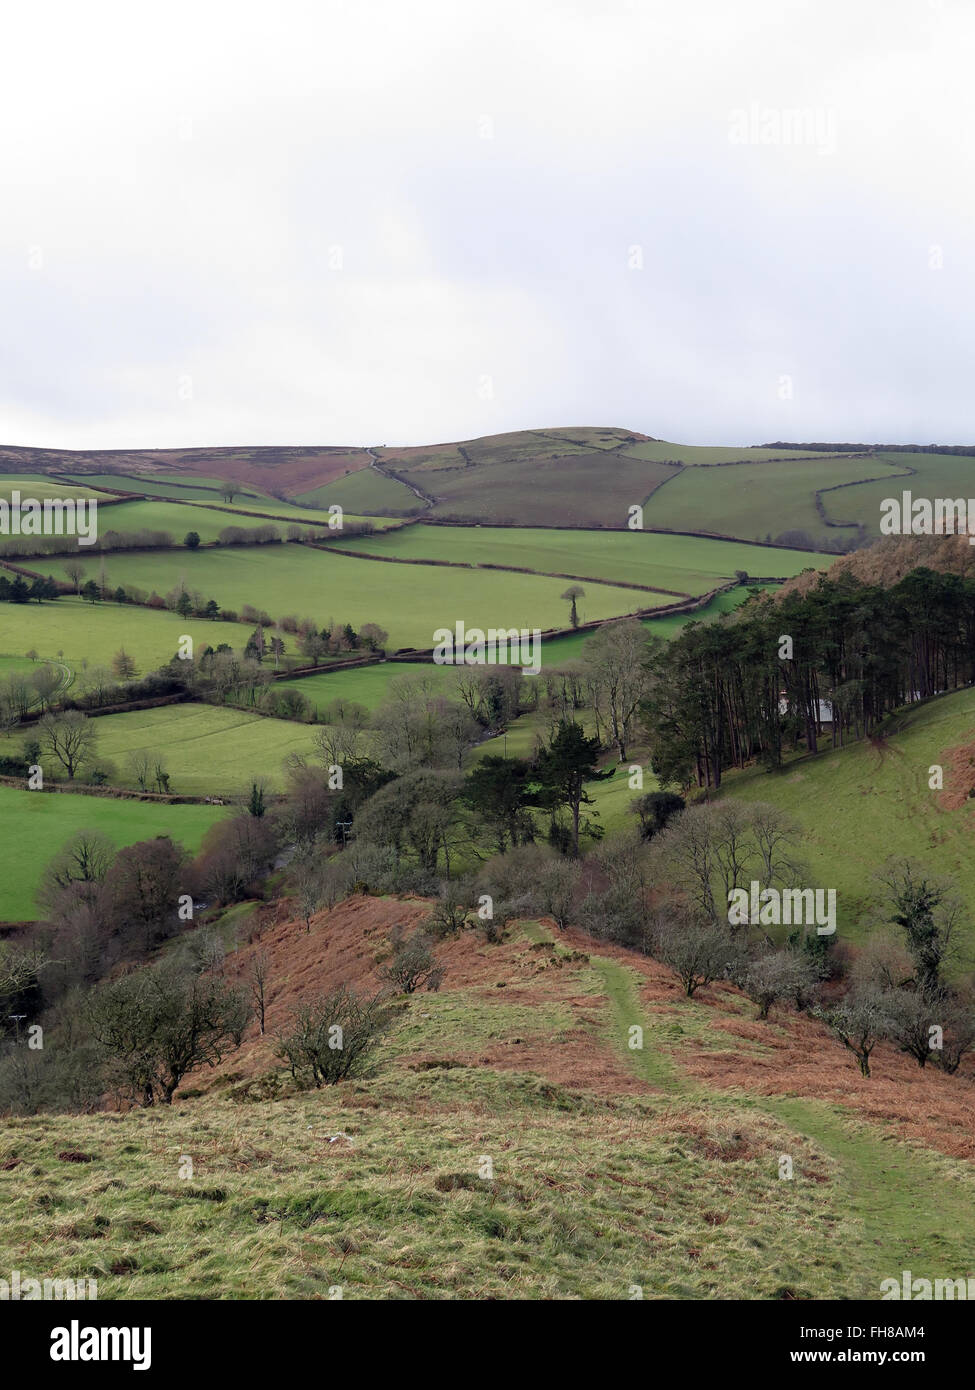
(859,805)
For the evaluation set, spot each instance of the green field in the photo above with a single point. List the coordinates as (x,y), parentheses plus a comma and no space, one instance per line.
(515,446)
(707,455)
(860,805)
(365,490)
(934,475)
(756,501)
(16,665)
(34,826)
(40,486)
(167,485)
(209,750)
(578,489)
(91,633)
(686,564)
(325,585)
(247,503)
(368,685)
(179,518)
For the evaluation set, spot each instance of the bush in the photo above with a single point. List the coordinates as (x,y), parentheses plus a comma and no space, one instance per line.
(331,1038)
(413,963)
(698,952)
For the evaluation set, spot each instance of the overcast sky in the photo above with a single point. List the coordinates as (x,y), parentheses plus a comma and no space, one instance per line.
(423,220)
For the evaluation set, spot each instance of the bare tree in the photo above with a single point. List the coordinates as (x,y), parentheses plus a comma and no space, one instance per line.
(616,659)
(258,975)
(158,1024)
(75,571)
(860,1022)
(70,737)
(413,965)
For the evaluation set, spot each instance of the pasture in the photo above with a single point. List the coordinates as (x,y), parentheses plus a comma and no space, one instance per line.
(708,455)
(364,491)
(81,633)
(758,501)
(36,825)
(40,486)
(369,685)
(685,564)
(410,604)
(924,475)
(246,503)
(580,489)
(167,485)
(209,750)
(179,518)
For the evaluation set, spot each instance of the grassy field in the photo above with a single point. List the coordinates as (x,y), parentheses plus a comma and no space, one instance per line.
(579,489)
(92,633)
(168,485)
(324,585)
(178,518)
(16,665)
(366,491)
(39,486)
(246,503)
(707,455)
(209,750)
(934,475)
(515,446)
(757,501)
(368,685)
(859,805)
(686,564)
(34,826)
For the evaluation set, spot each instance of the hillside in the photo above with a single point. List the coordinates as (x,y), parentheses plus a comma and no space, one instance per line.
(609,1167)
(575,476)
(859,805)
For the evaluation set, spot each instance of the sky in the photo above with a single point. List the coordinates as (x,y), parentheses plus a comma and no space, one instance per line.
(407,221)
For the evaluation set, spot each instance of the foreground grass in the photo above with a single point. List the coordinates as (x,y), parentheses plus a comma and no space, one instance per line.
(588,1197)
(445,1176)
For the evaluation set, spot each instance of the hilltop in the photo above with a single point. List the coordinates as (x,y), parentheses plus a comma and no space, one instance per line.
(810,497)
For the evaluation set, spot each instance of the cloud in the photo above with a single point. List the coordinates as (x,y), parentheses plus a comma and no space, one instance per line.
(364,222)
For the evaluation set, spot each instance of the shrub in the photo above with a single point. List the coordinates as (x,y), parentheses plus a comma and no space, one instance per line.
(331,1038)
